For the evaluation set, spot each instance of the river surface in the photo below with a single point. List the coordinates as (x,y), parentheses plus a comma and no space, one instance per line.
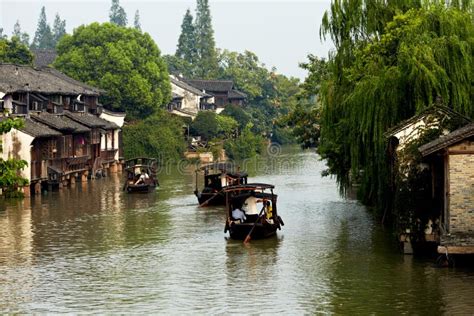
(93,248)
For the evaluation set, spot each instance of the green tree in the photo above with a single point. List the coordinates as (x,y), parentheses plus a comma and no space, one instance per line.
(178,66)
(206,65)
(10,179)
(15,52)
(2,36)
(210,125)
(387,67)
(269,95)
(318,72)
(136,21)
(43,37)
(59,29)
(123,61)
(187,40)
(23,36)
(238,114)
(247,72)
(246,145)
(227,125)
(205,125)
(160,136)
(117,14)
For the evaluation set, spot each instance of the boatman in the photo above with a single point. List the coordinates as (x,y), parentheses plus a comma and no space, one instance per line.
(143,177)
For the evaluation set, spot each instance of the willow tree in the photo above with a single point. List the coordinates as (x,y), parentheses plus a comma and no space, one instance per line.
(392,59)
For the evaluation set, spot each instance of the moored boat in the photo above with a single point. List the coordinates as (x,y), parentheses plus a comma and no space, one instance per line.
(251,211)
(140,175)
(217,177)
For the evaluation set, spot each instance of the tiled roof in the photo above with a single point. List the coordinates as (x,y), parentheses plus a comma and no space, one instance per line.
(17,78)
(38,130)
(436,110)
(236,94)
(447,140)
(186,86)
(90,120)
(60,122)
(211,85)
(44,57)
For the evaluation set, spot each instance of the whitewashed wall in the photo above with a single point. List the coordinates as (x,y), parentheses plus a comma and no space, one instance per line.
(17,144)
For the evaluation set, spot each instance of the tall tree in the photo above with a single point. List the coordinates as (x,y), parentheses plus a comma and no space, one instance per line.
(14,52)
(136,21)
(207,63)
(187,40)
(2,36)
(59,29)
(390,63)
(117,14)
(23,36)
(43,37)
(123,61)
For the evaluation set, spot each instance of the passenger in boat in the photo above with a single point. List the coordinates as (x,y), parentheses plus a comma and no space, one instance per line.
(143,177)
(238,214)
(224,180)
(250,205)
(268,211)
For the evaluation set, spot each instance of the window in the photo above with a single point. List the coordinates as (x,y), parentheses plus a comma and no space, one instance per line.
(58,109)
(49,149)
(65,146)
(95,136)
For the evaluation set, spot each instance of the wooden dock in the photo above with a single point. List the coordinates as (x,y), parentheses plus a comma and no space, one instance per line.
(457,244)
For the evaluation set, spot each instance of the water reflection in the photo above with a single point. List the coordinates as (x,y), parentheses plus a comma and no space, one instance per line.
(94,248)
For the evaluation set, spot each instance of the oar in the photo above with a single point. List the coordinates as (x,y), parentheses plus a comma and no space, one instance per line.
(247,239)
(211,198)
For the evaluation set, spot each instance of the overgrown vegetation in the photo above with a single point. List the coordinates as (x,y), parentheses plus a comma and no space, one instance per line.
(246,145)
(159,136)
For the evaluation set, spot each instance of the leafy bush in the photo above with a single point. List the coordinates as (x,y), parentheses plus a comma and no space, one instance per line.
(160,136)
(209,125)
(246,145)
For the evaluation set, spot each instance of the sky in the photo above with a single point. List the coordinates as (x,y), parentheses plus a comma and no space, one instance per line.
(281,33)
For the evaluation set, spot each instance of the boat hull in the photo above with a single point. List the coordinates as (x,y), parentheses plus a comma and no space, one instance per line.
(240,231)
(211,198)
(140,188)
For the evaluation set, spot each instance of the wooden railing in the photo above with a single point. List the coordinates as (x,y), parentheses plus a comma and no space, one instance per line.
(108,155)
(70,164)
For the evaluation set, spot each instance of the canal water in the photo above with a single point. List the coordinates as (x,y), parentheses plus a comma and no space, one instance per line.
(94,248)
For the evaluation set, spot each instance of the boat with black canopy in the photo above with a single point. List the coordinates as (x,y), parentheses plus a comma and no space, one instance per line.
(140,175)
(251,211)
(217,177)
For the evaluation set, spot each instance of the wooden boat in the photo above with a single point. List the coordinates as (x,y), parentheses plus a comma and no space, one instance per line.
(140,175)
(217,176)
(261,225)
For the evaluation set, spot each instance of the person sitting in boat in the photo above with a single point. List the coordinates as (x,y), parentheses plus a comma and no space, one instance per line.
(238,214)
(250,205)
(143,177)
(268,211)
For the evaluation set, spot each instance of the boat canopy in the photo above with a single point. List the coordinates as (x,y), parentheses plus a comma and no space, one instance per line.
(140,162)
(249,187)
